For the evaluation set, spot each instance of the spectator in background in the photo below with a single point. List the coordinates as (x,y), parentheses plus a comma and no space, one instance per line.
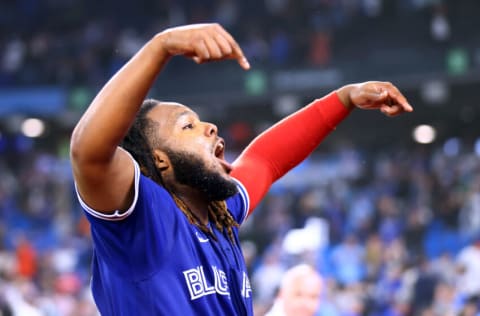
(471,308)
(424,287)
(468,262)
(299,292)
(26,259)
(320,49)
(268,275)
(470,211)
(348,260)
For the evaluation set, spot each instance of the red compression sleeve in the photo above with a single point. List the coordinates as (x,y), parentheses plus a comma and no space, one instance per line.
(284,145)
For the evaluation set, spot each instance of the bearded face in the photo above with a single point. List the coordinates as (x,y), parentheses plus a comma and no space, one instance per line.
(192,171)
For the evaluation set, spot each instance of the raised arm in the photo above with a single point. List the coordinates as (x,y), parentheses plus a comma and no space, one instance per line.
(103,172)
(283,146)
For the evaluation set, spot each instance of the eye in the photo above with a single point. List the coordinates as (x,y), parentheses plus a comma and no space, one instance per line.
(188,126)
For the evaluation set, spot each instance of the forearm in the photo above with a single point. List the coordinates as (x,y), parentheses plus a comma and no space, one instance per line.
(287,143)
(344,96)
(113,110)
(104,173)
(291,140)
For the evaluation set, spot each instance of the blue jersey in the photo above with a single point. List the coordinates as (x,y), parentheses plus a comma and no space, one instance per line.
(151,261)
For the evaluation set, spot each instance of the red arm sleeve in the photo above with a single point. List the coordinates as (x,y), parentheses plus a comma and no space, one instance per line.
(287,143)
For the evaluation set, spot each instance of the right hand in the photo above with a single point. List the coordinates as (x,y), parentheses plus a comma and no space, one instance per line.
(202,43)
(375,95)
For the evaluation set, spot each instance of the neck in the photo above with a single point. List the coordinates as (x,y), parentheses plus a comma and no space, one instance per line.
(195,201)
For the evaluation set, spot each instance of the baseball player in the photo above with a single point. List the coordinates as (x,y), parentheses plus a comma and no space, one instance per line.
(164,204)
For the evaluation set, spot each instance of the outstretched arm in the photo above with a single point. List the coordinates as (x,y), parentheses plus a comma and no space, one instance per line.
(290,141)
(103,172)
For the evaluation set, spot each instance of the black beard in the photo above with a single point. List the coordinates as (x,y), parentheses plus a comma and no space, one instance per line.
(190,170)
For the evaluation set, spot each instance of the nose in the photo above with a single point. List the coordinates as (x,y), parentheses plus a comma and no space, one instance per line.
(211,129)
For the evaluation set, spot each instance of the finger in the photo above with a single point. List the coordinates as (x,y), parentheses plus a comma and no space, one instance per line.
(201,51)
(224,45)
(398,98)
(237,52)
(391,110)
(213,48)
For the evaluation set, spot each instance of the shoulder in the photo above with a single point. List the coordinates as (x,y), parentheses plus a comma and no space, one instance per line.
(239,204)
(147,194)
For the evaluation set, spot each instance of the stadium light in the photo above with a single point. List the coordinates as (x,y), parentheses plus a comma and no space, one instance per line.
(424,134)
(33,127)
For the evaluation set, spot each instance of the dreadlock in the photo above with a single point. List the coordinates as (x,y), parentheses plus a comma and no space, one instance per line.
(217,211)
(139,141)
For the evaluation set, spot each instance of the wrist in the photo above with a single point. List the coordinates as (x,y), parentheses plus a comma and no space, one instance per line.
(344,94)
(159,45)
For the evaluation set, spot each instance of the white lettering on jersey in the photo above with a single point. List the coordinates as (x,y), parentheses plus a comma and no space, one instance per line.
(246,288)
(198,286)
(197,283)
(221,284)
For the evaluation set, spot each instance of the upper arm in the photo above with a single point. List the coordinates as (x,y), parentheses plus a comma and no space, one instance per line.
(106,186)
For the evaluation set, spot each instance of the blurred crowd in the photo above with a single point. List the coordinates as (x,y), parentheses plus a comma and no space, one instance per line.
(78,42)
(399,231)
(391,232)
(45,247)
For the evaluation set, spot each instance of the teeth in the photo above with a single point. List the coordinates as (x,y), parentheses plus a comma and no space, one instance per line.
(219,149)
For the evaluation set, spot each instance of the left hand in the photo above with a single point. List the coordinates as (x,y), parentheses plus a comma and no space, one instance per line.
(202,43)
(375,95)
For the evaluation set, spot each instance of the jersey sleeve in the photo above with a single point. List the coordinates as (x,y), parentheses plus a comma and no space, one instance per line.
(117,215)
(239,204)
(134,242)
(284,145)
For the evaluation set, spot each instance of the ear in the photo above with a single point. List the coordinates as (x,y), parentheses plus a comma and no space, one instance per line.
(161,160)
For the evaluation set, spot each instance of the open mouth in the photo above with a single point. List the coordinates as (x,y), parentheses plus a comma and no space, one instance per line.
(219,152)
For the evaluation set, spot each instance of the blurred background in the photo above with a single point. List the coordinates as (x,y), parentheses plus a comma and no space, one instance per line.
(387,210)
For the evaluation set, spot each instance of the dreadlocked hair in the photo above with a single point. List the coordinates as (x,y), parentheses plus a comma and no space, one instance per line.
(217,212)
(139,141)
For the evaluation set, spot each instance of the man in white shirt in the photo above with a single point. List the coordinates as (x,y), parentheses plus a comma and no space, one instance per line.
(299,293)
